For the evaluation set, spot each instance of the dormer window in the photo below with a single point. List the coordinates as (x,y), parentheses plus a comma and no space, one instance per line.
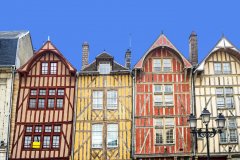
(104,68)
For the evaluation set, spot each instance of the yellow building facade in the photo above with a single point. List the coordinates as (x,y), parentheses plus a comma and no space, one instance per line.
(103,115)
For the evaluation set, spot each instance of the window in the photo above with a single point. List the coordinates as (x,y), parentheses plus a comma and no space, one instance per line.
(33,92)
(163,98)
(97,99)
(38,129)
(57,129)
(217,68)
(27,141)
(158,100)
(48,129)
(60,92)
(55,141)
(157,89)
(41,103)
(51,92)
(42,92)
(224,97)
(230,135)
(36,138)
(112,135)
(53,69)
(59,103)
(44,68)
(29,129)
(50,103)
(167,65)
(222,68)
(104,67)
(112,99)
(32,103)
(164,130)
(97,135)
(46,141)
(157,65)
(226,68)
(233,136)
(223,137)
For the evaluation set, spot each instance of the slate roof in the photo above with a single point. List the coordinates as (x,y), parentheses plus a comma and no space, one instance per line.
(92,67)
(8,46)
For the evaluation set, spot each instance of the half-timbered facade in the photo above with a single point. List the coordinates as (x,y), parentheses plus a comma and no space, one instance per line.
(15,50)
(217,87)
(45,106)
(103,110)
(162,103)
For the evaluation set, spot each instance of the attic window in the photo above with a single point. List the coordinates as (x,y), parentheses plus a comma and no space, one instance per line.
(104,68)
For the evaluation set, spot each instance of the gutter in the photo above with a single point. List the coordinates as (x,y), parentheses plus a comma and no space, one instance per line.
(74,116)
(133,113)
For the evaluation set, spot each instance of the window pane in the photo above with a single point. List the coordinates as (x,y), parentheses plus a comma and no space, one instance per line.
(51,92)
(228,90)
(219,91)
(232,123)
(27,141)
(53,69)
(50,103)
(33,92)
(157,88)
(156,65)
(60,92)
(97,135)
(32,103)
(169,136)
(44,68)
(104,68)
(159,136)
(42,92)
(41,103)
(167,65)
(223,137)
(217,68)
(168,100)
(158,100)
(48,128)
(226,68)
(97,99)
(220,102)
(169,122)
(57,129)
(112,99)
(55,141)
(112,135)
(229,102)
(46,142)
(38,129)
(59,103)
(158,123)
(168,89)
(28,129)
(37,139)
(233,135)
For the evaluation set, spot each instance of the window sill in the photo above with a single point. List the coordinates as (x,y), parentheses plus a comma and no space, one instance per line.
(165,144)
(225,108)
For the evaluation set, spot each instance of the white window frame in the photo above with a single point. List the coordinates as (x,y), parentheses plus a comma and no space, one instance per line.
(53,67)
(157,65)
(112,99)
(104,67)
(44,68)
(112,135)
(167,65)
(97,100)
(97,135)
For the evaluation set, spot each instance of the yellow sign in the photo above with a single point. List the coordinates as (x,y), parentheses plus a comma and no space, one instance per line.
(36,145)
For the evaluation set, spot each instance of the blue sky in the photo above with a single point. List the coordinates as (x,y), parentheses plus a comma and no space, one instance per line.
(108,24)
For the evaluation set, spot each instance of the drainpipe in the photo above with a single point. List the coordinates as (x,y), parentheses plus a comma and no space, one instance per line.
(74,116)
(133,112)
(10,110)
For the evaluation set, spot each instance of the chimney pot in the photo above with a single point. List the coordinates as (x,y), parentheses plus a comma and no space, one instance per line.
(85,54)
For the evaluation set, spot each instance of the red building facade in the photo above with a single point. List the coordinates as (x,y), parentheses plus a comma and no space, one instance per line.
(162,101)
(45,106)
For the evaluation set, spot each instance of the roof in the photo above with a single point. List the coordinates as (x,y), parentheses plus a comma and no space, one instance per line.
(92,67)
(47,46)
(162,41)
(9,46)
(223,43)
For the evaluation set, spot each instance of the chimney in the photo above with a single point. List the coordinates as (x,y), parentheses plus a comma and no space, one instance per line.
(85,53)
(193,49)
(128,59)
